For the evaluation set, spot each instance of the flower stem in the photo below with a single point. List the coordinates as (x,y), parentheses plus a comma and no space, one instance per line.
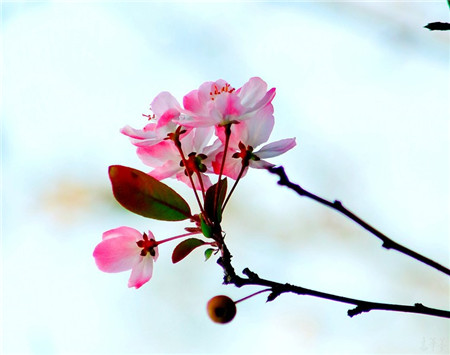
(234,185)
(178,145)
(176,237)
(253,294)
(227,141)
(199,176)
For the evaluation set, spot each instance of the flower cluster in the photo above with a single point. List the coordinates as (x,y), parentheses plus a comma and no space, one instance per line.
(214,109)
(218,130)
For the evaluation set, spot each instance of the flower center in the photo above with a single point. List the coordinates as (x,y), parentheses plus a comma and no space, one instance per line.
(216,90)
(246,154)
(147,245)
(194,163)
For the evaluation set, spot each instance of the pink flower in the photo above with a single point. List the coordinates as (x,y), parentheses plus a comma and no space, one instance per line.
(166,109)
(125,248)
(245,137)
(218,104)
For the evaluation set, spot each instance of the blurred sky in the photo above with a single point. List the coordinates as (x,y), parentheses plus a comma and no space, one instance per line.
(362,85)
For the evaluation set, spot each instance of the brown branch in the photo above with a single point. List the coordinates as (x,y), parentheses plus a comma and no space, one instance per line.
(278,288)
(337,205)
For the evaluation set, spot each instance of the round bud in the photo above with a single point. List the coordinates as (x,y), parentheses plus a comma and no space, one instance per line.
(221,309)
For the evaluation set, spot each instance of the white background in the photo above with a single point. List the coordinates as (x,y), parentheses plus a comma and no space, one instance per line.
(364,88)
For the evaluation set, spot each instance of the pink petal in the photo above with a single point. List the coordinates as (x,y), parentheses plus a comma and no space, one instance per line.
(257,129)
(157,154)
(122,231)
(232,165)
(260,164)
(192,103)
(181,176)
(229,106)
(267,99)
(252,91)
(276,148)
(142,271)
(166,170)
(167,117)
(204,91)
(201,137)
(116,254)
(163,102)
(202,120)
(147,132)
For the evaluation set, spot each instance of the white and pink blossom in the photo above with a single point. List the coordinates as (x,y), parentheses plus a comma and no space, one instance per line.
(244,138)
(166,110)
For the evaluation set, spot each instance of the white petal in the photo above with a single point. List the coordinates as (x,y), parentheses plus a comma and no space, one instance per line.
(276,148)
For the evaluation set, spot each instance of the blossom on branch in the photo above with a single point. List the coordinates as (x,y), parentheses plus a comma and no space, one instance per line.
(217,103)
(125,248)
(177,143)
(166,110)
(244,138)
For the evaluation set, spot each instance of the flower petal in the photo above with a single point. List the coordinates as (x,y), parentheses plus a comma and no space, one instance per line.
(232,166)
(228,106)
(252,91)
(158,154)
(276,148)
(116,254)
(181,176)
(122,231)
(166,170)
(256,130)
(260,164)
(142,272)
(163,102)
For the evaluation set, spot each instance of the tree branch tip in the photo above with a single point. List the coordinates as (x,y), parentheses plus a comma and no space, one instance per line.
(272,296)
(355,311)
(438,26)
(250,274)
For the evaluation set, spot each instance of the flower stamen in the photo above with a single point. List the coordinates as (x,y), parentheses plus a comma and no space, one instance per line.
(147,245)
(217,91)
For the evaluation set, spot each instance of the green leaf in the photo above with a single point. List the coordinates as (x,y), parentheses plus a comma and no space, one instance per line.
(206,230)
(142,194)
(184,248)
(209,200)
(208,253)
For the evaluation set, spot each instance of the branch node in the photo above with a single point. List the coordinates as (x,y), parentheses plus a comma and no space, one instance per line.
(338,204)
(273,295)
(357,310)
(250,274)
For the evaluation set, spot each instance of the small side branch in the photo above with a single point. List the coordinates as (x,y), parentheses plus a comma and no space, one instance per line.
(438,26)
(361,306)
(338,206)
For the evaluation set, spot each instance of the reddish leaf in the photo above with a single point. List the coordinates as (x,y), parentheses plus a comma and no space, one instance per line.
(184,248)
(142,194)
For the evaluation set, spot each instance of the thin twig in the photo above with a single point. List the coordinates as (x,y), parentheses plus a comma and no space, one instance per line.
(361,305)
(337,205)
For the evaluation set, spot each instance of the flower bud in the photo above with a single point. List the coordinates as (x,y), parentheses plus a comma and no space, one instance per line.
(221,309)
